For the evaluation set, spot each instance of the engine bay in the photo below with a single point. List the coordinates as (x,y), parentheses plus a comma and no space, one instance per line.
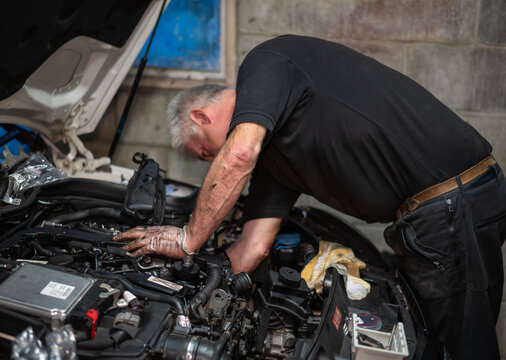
(62,276)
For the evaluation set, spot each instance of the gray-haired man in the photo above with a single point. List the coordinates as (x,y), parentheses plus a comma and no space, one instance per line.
(311,116)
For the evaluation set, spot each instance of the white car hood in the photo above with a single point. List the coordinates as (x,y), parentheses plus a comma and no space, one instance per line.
(69,92)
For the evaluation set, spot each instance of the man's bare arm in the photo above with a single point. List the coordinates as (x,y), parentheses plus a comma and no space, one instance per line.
(255,243)
(224,181)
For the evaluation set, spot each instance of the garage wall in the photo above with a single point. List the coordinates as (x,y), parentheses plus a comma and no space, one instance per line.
(455,48)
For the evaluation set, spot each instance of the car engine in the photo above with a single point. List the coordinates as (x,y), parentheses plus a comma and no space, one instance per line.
(62,277)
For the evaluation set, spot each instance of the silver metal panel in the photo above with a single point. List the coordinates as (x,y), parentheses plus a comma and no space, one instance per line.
(44,292)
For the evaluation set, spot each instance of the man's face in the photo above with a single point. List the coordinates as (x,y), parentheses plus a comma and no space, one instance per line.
(205,144)
(212,123)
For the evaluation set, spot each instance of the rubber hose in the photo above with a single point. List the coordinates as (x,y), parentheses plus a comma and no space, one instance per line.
(35,244)
(195,347)
(141,293)
(85,214)
(220,344)
(21,208)
(215,277)
(306,233)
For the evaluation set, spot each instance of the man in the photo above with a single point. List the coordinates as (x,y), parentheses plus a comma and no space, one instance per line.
(311,116)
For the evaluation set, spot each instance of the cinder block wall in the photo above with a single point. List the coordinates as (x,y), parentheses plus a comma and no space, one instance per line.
(455,48)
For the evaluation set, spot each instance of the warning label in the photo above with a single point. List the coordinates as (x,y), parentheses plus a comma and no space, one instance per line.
(57,290)
(165,283)
(336,320)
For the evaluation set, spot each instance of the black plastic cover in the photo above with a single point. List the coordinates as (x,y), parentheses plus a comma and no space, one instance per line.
(329,336)
(145,196)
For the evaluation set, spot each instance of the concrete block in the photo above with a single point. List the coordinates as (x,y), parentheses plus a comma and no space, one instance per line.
(146,122)
(190,171)
(266,17)
(412,20)
(489,88)
(493,128)
(463,78)
(389,54)
(246,43)
(431,20)
(125,152)
(443,70)
(492,24)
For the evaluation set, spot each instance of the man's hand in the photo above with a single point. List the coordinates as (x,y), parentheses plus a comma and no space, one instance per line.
(163,240)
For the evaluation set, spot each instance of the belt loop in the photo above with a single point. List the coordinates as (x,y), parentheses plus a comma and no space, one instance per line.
(459,182)
(496,172)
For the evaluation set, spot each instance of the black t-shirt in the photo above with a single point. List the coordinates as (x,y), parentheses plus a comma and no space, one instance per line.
(345,129)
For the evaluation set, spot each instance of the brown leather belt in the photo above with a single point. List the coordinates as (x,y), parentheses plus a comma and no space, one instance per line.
(446,186)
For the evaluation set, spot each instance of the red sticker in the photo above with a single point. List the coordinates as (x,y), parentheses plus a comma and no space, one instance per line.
(336,320)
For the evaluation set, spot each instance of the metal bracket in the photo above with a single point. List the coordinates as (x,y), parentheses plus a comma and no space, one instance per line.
(71,163)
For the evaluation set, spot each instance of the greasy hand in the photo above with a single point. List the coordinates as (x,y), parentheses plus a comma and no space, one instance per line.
(163,240)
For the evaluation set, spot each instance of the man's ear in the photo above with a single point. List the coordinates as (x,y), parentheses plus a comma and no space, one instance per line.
(199,117)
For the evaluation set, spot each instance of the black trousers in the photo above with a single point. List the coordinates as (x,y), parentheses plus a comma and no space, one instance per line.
(450,251)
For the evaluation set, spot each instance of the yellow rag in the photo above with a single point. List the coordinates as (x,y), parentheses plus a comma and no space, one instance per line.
(344,260)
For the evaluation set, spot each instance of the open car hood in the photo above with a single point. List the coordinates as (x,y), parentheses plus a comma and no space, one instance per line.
(63,61)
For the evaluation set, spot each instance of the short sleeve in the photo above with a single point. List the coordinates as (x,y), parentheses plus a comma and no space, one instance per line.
(267,197)
(265,90)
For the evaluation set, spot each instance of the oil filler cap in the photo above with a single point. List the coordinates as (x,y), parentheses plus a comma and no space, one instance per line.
(289,276)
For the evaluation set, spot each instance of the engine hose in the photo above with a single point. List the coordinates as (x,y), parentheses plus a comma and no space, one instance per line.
(85,214)
(23,225)
(220,344)
(21,208)
(229,332)
(142,293)
(215,277)
(305,232)
(40,250)
(192,347)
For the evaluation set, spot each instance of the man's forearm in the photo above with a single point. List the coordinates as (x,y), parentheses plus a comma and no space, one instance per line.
(255,243)
(224,182)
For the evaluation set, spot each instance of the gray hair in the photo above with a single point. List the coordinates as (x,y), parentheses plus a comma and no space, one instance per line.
(181,127)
